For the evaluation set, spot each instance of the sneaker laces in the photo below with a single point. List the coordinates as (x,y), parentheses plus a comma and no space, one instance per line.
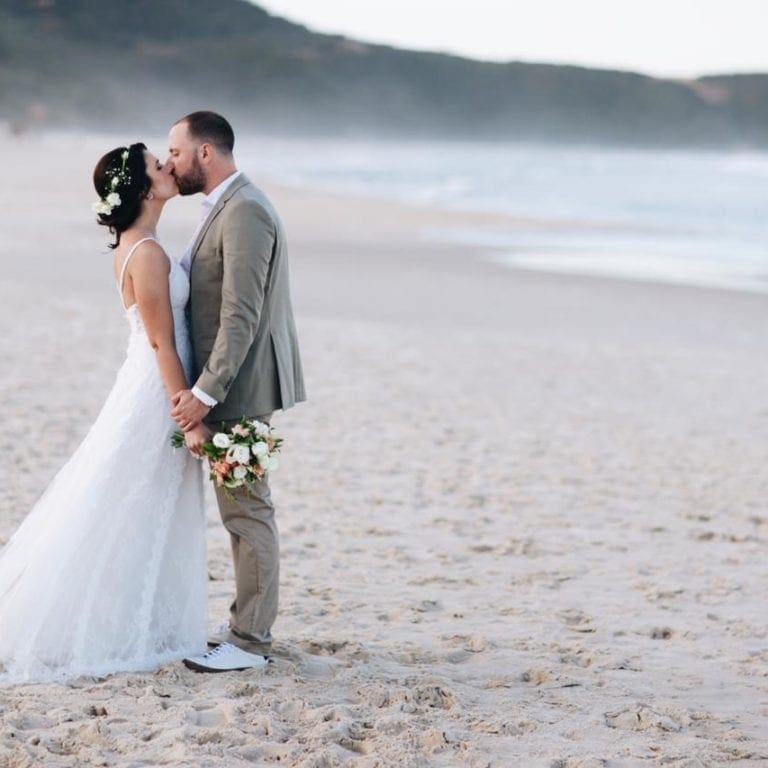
(218,650)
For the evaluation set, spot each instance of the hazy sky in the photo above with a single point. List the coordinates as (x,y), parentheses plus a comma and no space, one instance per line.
(662,37)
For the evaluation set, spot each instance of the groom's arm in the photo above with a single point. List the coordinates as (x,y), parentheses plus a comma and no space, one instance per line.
(248,242)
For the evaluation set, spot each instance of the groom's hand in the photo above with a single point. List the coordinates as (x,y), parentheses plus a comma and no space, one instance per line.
(188,411)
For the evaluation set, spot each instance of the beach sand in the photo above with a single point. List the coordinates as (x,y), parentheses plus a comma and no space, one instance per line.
(523,516)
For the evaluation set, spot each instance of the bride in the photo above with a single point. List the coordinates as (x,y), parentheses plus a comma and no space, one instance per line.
(107,572)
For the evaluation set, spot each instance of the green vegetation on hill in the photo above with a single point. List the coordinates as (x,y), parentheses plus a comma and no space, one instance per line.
(100,64)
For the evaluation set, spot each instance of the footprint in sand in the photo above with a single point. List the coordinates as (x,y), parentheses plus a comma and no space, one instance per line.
(663,595)
(465,647)
(433,740)
(577,620)
(662,633)
(280,754)
(524,547)
(324,647)
(428,606)
(207,715)
(641,718)
(535,676)
(340,650)
(502,727)
(473,643)
(29,721)
(417,695)
(356,737)
(319,666)
(337,724)
(578,657)
(377,531)
(434,696)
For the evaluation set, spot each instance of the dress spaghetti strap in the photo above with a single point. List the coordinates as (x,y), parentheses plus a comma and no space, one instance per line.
(121,281)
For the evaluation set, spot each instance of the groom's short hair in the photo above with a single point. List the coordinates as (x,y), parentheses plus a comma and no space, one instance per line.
(212,128)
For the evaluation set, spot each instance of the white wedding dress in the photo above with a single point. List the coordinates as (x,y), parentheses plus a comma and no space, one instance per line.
(107,573)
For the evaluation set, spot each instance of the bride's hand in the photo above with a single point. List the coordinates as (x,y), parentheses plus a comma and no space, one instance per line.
(187,410)
(196,438)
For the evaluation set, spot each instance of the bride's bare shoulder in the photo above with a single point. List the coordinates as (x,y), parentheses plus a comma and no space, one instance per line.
(140,255)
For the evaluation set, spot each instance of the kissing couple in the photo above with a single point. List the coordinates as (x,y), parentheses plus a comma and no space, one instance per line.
(107,573)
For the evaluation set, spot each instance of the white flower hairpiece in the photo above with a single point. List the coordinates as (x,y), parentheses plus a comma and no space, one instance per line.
(105,205)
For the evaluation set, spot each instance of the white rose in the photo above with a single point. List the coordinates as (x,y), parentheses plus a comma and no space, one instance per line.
(239,454)
(102,207)
(113,199)
(263,461)
(260,428)
(273,463)
(220,440)
(242,454)
(239,473)
(259,449)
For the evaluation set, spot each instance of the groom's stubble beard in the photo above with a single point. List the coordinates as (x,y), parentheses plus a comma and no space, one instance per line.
(193,181)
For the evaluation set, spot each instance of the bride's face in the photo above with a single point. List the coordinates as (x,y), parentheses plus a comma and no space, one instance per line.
(161,175)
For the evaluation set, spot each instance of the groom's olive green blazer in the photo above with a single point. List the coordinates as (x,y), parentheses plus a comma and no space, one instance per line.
(240,314)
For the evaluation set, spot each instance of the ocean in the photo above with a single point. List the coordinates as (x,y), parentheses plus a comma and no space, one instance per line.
(697,218)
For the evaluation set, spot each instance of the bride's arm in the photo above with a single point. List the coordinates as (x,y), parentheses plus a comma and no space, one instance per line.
(148,271)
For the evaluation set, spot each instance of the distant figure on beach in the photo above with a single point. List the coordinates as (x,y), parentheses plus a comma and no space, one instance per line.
(107,572)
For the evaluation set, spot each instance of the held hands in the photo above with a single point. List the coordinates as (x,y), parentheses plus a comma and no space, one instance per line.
(187,410)
(196,437)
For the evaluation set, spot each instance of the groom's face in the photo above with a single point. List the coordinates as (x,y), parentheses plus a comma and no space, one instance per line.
(185,157)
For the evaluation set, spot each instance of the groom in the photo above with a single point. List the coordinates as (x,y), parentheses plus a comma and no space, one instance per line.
(246,361)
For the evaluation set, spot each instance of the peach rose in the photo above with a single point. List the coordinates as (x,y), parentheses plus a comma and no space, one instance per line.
(222,468)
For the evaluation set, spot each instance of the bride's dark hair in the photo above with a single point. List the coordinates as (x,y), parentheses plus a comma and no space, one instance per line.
(126,176)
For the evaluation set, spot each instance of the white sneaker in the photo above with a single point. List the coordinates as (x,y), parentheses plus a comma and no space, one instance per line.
(225,658)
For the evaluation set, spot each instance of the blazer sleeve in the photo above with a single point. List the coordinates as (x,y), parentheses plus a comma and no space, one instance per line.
(248,242)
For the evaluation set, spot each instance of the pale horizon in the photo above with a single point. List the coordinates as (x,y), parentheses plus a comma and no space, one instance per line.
(686,39)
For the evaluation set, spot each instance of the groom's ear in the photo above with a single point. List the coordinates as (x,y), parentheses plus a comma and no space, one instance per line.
(206,152)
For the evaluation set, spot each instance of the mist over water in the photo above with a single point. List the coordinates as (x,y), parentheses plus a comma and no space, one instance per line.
(696,218)
(699,218)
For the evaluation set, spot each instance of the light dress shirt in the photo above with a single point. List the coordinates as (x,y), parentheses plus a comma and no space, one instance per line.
(207,205)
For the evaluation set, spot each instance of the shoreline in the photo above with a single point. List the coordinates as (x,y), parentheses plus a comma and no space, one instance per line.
(488,234)
(471,229)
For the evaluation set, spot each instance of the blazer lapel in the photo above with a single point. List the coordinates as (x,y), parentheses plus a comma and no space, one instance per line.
(237,184)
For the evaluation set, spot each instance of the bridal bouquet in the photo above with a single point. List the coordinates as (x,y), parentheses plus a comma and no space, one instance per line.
(241,454)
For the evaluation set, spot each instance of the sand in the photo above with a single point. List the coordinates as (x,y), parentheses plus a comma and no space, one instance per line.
(523,516)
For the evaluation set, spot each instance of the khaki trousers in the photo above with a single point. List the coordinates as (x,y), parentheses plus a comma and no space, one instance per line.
(249,516)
